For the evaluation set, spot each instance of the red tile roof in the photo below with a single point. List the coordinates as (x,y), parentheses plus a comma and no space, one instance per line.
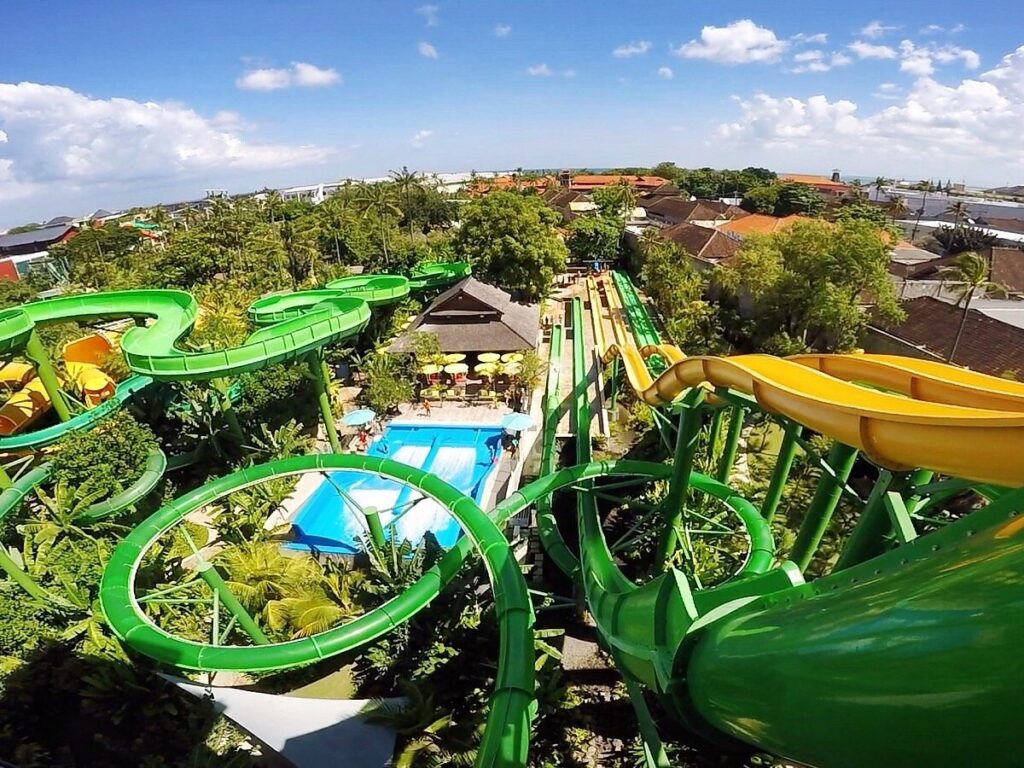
(583,183)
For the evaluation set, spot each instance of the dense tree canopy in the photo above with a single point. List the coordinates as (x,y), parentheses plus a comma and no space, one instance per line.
(511,240)
(594,238)
(809,282)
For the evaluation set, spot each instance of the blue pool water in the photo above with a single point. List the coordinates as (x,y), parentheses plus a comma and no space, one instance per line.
(461,456)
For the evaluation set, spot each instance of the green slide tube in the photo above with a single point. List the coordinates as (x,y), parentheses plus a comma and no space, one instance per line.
(547,526)
(909,658)
(506,739)
(291,325)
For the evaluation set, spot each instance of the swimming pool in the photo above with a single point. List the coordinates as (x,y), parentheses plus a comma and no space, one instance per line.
(460,455)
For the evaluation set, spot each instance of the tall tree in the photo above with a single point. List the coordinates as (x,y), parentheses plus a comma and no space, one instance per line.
(808,284)
(879,185)
(378,201)
(511,239)
(971,273)
(409,184)
(594,238)
(616,199)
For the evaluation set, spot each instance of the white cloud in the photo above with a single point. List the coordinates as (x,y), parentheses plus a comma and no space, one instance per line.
(916,61)
(869,51)
(934,29)
(429,12)
(264,80)
(300,73)
(539,70)
(570,73)
(310,76)
(809,56)
(920,60)
(965,125)
(666,72)
(420,138)
(876,29)
(816,61)
(740,42)
(888,91)
(427,51)
(54,135)
(502,30)
(803,39)
(632,49)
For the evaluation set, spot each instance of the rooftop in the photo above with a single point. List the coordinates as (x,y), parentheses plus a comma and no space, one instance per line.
(759,224)
(41,237)
(816,181)
(989,343)
(473,316)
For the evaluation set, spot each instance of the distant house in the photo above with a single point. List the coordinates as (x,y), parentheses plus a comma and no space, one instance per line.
(102,216)
(474,317)
(758,224)
(668,189)
(988,345)
(668,211)
(707,246)
(37,240)
(826,186)
(640,183)
(57,220)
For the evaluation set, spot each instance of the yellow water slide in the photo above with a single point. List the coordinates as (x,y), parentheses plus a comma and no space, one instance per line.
(82,361)
(30,400)
(934,416)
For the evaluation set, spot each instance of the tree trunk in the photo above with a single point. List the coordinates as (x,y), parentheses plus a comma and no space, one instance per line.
(960,330)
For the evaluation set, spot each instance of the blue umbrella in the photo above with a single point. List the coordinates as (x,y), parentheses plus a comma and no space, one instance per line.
(358,418)
(517,421)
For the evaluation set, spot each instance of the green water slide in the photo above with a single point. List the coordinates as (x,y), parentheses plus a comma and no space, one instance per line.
(291,326)
(506,739)
(640,322)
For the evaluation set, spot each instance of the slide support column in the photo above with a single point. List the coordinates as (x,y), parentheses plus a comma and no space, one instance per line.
(780,474)
(690,421)
(732,441)
(36,352)
(320,379)
(228,410)
(868,535)
(227,598)
(834,475)
(615,382)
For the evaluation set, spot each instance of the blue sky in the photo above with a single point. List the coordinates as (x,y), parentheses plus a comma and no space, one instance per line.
(117,103)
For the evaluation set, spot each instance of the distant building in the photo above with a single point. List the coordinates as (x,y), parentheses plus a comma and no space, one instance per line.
(586,183)
(707,246)
(37,240)
(668,211)
(825,185)
(758,224)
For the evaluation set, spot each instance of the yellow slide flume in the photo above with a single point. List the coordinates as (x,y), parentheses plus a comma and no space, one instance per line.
(946,419)
(82,359)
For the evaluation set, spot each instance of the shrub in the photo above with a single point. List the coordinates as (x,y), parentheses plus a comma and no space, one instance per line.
(109,458)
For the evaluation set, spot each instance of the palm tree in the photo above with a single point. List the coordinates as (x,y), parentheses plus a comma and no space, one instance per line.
(959,210)
(378,200)
(407,183)
(897,207)
(970,270)
(879,184)
(299,250)
(926,187)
